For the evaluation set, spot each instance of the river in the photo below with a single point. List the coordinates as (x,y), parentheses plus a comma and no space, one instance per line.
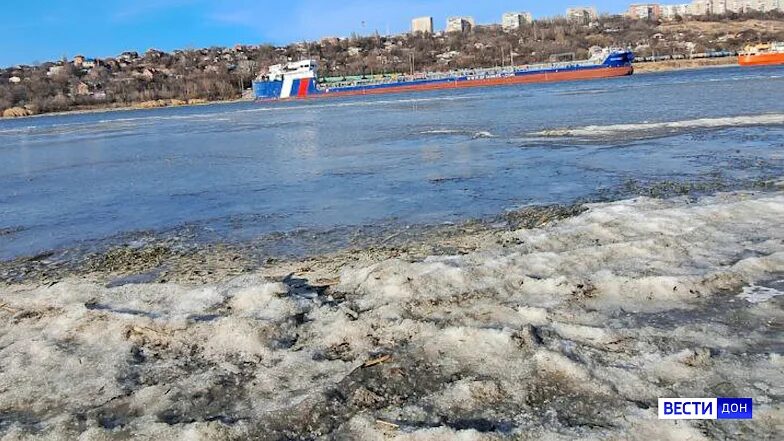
(236,172)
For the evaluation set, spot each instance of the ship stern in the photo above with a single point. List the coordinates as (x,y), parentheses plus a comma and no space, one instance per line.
(267,90)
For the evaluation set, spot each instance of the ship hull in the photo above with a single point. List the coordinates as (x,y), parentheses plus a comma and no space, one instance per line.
(545,77)
(303,84)
(767,59)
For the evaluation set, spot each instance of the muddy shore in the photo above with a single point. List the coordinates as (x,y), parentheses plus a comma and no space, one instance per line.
(177,256)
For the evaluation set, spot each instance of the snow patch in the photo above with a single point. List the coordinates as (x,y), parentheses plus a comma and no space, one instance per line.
(670,126)
(760,294)
(568,331)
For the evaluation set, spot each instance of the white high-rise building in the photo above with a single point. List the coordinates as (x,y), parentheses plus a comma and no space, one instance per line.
(670,12)
(769,5)
(514,20)
(704,7)
(422,24)
(700,7)
(460,24)
(582,14)
(738,5)
(644,11)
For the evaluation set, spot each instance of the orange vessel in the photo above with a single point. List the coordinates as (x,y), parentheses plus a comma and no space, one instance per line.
(762,55)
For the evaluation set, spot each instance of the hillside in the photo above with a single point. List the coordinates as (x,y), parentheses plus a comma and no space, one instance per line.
(157,78)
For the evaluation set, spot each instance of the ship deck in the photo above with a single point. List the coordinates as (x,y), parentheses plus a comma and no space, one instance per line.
(453,77)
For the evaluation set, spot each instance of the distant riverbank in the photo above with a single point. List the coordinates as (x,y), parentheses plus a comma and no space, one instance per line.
(146,105)
(647,67)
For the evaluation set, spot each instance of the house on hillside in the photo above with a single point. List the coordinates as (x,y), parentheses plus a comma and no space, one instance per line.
(55,70)
(82,89)
(154,54)
(330,40)
(82,62)
(128,57)
(147,74)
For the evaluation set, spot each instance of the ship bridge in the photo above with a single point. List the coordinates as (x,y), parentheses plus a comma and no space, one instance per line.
(295,78)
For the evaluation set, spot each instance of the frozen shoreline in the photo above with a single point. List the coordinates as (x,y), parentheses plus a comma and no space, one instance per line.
(572,330)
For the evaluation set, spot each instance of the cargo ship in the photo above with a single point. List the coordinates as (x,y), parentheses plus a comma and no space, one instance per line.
(762,54)
(298,80)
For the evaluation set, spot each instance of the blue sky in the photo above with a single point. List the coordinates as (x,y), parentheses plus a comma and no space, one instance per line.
(42,30)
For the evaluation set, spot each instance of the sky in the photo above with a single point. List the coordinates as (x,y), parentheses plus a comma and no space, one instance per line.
(45,30)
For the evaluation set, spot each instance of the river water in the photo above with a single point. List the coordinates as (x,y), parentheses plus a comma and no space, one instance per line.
(236,172)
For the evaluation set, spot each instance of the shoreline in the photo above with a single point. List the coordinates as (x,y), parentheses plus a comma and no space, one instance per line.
(175,256)
(122,109)
(161,259)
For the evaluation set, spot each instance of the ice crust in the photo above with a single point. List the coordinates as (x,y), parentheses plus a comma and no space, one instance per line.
(664,127)
(569,331)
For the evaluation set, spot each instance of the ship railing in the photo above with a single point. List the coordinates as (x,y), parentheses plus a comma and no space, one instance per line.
(466,73)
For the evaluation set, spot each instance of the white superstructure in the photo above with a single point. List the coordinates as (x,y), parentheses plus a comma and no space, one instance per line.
(294,70)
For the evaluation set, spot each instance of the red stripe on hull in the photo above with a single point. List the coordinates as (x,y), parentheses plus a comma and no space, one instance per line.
(547,77)
(303,88)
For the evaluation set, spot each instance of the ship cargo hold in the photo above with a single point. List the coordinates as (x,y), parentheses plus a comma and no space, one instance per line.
(298,80)
(762,55)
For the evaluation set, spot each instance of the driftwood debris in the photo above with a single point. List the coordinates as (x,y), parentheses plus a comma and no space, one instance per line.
(387,424)
(8,308)
(376,361)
